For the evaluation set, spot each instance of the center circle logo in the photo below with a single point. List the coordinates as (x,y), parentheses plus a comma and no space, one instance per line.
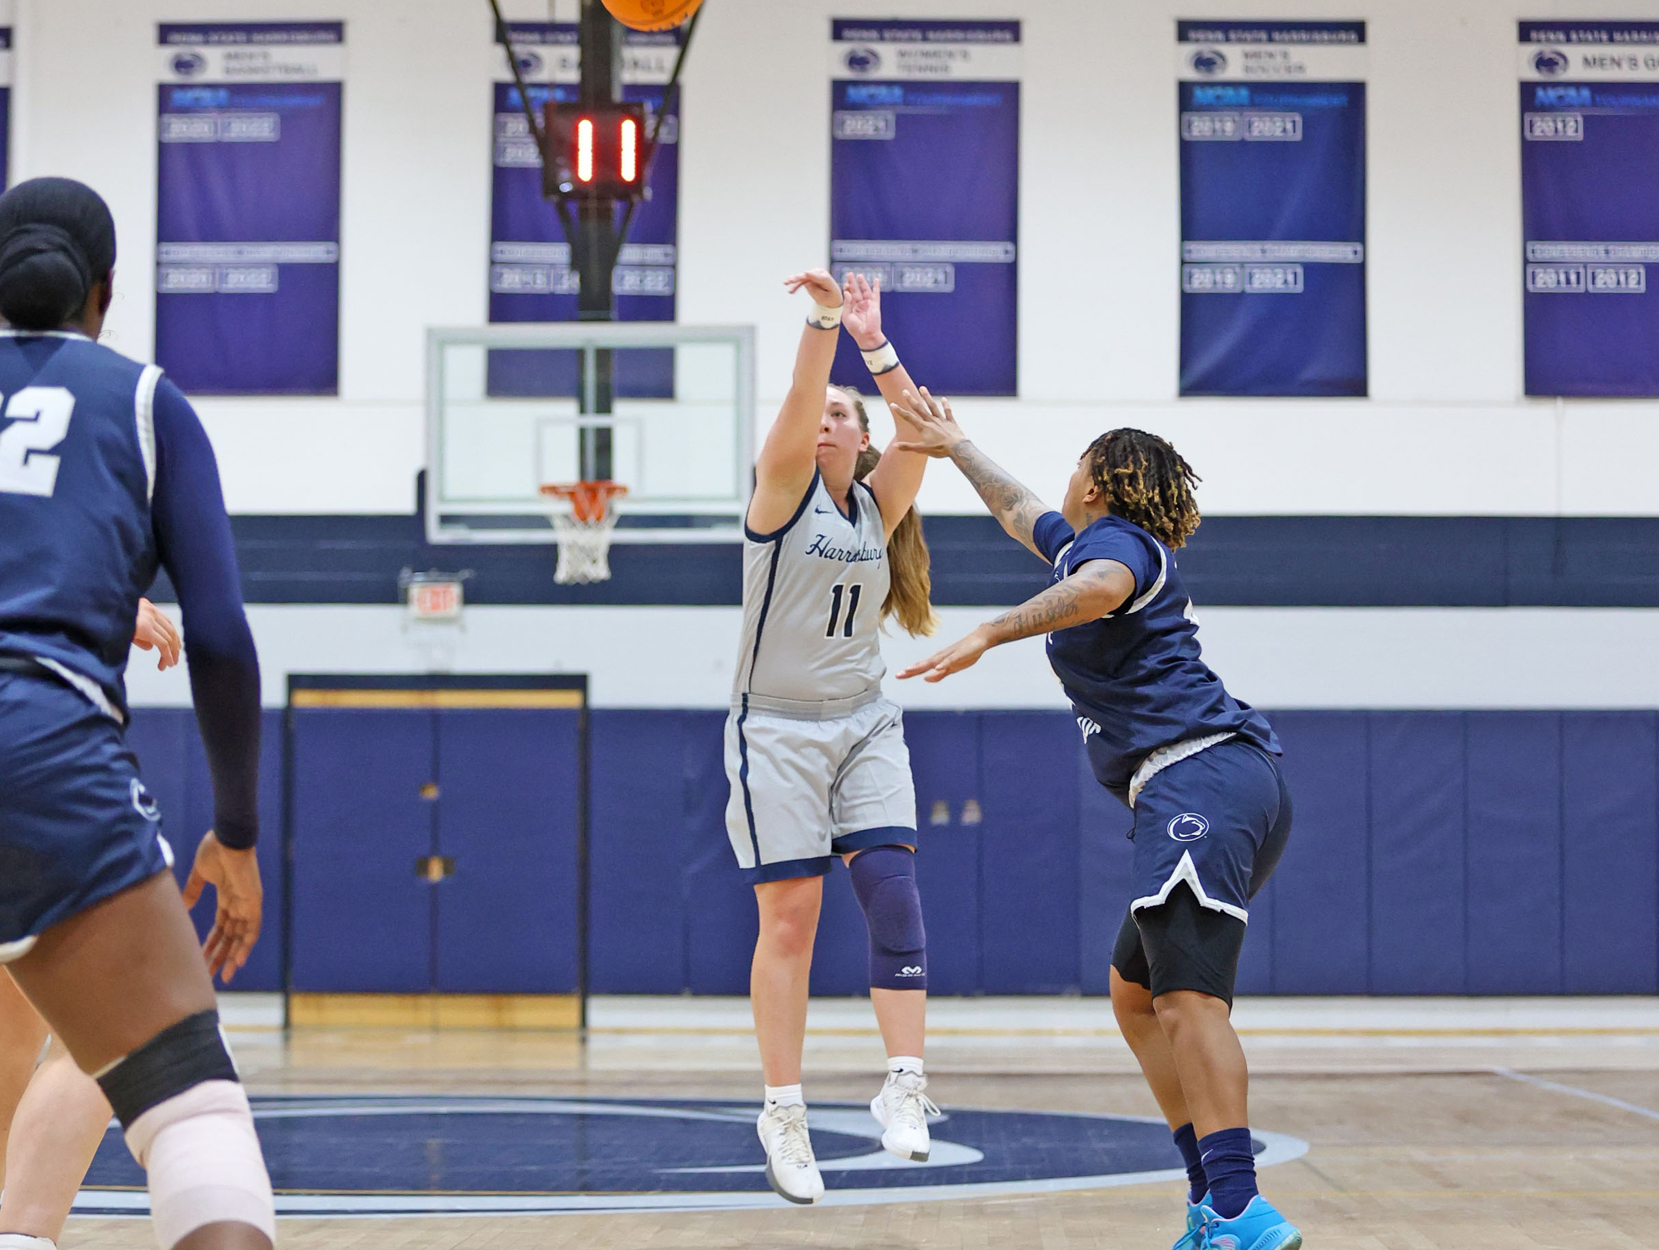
(389,1156)
(1209,61)
(1188,827)
(863,60)
(1551,61)
(189,64)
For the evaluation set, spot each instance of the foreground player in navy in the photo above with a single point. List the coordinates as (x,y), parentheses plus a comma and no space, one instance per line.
(105,473)
(1196,766)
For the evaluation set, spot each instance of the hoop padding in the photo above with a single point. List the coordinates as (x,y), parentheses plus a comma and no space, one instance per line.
(585,531)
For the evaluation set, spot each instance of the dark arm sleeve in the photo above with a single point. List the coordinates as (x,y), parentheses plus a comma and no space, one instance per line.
(194,541)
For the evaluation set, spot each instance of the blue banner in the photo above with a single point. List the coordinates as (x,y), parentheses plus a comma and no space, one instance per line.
(1272,133)
(248,207)
(924,193)
(532,274)
(1589,186)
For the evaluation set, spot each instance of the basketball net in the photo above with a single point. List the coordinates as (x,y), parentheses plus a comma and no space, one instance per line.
(585,531)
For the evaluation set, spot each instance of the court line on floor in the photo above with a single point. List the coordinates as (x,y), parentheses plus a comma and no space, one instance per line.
(1062,1031)
(1575,1092)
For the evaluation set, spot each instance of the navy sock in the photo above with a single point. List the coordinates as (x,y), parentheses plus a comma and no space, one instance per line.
(1230,1165)
(1186,1141)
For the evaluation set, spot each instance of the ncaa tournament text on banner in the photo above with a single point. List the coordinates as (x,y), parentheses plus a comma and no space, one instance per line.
(1590,206)
(531,274)
(1272,139)
(248,207)
(924,193)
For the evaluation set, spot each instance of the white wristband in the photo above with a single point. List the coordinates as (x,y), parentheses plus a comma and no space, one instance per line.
(881,359)
(824,318)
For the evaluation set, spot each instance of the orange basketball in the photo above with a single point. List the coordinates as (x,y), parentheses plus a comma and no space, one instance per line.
(652,14)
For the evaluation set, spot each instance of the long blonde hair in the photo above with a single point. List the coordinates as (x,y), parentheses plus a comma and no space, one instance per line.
(910,580)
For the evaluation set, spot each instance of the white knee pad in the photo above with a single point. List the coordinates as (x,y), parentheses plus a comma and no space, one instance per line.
(203,1161)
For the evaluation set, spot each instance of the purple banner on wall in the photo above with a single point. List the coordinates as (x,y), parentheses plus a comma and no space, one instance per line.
(532,276)
(924,193)
(248,207)
(1589,183)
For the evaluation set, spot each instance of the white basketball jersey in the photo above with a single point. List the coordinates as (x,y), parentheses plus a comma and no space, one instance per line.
(812,596)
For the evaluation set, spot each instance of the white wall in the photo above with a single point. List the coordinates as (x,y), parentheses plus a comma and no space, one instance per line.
(1272,657)
(1446,431)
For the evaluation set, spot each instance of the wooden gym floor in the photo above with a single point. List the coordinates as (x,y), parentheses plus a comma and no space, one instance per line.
(1432,1125)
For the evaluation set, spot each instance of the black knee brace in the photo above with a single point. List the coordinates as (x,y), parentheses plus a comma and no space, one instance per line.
(177,1059)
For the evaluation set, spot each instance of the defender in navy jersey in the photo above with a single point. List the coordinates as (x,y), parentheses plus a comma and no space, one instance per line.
(105,476)
(1196,766)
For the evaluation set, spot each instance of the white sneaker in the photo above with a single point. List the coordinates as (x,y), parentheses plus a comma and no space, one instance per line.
(902,1109)
(791,1167)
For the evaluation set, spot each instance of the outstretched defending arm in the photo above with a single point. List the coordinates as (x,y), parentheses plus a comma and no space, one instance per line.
(1094,589)
(898,477)
(934,432)
(787,459)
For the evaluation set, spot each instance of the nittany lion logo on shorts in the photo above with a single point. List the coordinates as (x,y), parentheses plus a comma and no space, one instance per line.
(142,803)
(1209,61)
(1188,827)
(1551,61)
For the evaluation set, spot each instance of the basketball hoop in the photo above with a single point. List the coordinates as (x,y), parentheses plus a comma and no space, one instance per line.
(585,531)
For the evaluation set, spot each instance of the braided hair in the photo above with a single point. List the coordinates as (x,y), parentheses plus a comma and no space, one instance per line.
(1147,483)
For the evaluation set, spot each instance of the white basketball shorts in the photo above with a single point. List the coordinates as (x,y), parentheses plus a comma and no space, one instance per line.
(808,788)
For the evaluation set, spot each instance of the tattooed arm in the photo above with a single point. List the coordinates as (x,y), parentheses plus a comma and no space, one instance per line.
(934,432)
(1094,589)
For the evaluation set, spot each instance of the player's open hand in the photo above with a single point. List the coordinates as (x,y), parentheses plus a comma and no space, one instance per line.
(961,654)
(156,631)
(818,283)
(234,876)
(861,311)
(928,425)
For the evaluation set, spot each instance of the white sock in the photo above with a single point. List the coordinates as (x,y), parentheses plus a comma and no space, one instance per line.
(22,1241)
(904,1063)
(776,1096)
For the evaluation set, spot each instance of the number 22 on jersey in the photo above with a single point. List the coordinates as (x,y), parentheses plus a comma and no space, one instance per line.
(37,421)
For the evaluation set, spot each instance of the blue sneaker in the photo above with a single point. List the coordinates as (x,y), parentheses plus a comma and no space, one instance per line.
(1195,1224)
(1258,1227)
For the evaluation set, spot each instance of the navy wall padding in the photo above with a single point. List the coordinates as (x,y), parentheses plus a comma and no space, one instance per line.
(1286,561)
(362,919)
(1513,888)
(1609,856)
(1322,889)
(1432,852)
(1417,771)
(944,760)
(507,921)
(1028,853)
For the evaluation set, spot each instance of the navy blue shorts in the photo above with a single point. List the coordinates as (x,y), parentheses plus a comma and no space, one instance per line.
(1217,820)
(76,824)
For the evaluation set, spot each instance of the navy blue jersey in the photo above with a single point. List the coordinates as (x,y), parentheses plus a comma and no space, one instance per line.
(1136,678)
(105,476)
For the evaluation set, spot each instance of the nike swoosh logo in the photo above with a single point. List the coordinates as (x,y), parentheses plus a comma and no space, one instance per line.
(823,511)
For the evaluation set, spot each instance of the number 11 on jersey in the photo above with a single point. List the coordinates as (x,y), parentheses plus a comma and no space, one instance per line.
(853,592)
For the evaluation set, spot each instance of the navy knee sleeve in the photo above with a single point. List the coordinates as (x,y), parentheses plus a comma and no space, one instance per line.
(884,878)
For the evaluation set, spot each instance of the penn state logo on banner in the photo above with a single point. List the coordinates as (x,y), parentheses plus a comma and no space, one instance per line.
(189,64)
(1209,61)
(1188,827)
(1551,61)
(862,60)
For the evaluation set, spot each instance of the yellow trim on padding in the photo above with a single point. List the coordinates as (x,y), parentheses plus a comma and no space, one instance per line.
(437,1011)
(521,698)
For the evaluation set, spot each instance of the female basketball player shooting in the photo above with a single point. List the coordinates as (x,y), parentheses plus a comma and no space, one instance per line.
(816,756)
(105,472)
(1196,766)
